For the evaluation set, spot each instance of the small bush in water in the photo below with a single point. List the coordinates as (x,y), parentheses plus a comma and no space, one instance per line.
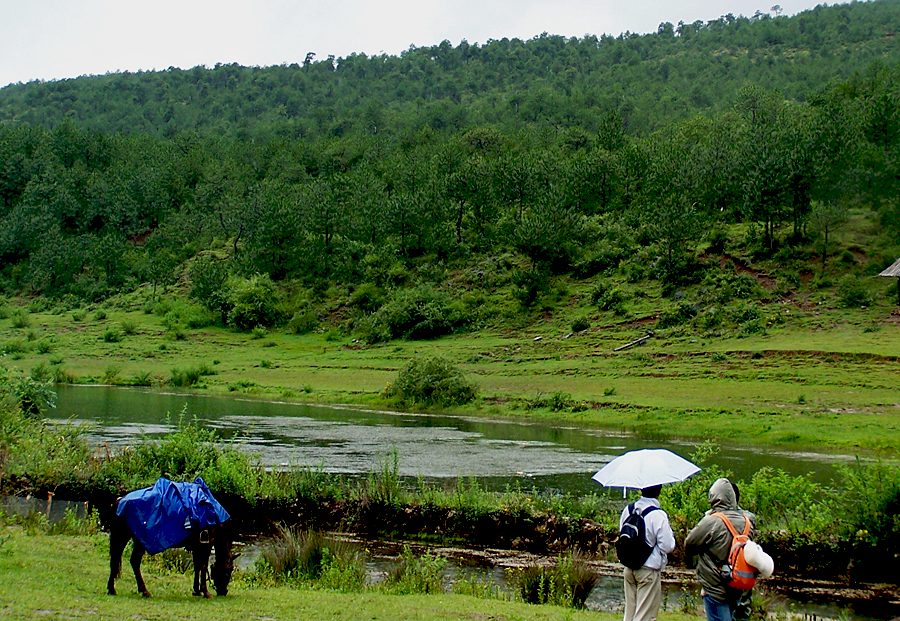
(302,556)
(568,583)
(417,574)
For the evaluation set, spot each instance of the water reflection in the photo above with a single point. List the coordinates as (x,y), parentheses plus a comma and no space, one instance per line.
(354,441)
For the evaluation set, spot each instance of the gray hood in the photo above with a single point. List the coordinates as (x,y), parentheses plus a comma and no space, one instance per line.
(721,496)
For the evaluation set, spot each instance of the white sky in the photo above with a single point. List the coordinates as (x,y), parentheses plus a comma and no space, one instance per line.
(53,39)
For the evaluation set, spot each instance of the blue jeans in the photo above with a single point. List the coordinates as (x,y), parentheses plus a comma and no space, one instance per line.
(716,610)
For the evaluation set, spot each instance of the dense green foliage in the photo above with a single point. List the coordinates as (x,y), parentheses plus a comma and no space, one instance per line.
(549,80)
(464,171)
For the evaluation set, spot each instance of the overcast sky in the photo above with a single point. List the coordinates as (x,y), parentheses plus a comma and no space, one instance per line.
(53,39)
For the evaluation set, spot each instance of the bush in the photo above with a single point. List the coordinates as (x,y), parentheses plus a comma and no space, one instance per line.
(718,238)
(185,378)
(416,574)
(529,286)
(208,277)
(111,335)
(20,319)
(581,324)
(431,381)
(419,313)
(680,314)
(608,298)
(367,297)
(852,293)
(303,321)
(295,555)
(32,396)
(568,583)
(253,301)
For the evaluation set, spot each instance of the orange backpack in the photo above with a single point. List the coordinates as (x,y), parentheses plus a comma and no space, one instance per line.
(740,574)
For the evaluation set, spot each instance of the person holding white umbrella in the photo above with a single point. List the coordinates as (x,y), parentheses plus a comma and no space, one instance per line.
(644,522)
(643,586)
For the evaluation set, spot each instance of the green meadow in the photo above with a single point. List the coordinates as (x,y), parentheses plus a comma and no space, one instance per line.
(64,577)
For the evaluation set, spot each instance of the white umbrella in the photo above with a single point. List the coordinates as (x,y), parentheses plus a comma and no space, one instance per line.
(645,468)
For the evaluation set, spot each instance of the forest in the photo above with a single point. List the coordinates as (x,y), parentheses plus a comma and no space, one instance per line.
(449,188)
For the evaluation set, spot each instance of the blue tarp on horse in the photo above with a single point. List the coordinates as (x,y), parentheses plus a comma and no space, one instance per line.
(163,515)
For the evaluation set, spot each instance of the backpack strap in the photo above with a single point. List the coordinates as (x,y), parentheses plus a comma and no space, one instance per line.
(648,510)
(730,526)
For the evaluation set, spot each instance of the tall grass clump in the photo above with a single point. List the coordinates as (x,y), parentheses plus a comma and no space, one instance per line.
(416,574)
(383,485)
(429,382)
(567,583)
(185,378)
(20,319)
(294,556)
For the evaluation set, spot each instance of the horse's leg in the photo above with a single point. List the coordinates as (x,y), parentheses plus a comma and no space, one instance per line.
(137,553)
(200,552)
(118,539)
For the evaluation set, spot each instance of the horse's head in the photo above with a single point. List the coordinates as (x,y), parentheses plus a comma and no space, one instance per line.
(223,566)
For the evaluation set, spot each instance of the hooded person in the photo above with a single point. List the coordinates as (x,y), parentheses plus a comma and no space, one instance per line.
(708,545)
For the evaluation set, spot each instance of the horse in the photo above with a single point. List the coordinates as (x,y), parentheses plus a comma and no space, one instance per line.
(173,527)
(199,543)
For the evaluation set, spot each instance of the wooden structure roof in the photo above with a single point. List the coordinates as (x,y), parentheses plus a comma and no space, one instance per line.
(893,270)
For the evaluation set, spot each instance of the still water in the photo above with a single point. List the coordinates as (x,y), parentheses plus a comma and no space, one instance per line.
(353,441)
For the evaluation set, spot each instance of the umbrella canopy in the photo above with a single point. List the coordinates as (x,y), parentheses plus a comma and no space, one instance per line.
(645,468)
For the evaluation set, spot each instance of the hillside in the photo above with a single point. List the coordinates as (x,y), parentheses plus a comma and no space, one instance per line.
(416,205)
(649,80)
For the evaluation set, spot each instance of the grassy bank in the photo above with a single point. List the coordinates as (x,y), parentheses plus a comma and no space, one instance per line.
(64,577)
(824,378)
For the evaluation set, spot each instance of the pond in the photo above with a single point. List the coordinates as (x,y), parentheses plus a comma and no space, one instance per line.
(354,441)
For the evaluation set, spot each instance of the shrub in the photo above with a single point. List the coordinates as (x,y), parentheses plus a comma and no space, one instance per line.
(111,335)
(680,314)
(608,298)
(419,313)
(568,583)
(416,574)
(529,286)
(20,319)
(718,237)
(303,321)
(253,302)
(581,324)
(31,395)
(185,378)
(258,333)
(852,293)
(367,297)
(208,277)
(294,555)
(431,381)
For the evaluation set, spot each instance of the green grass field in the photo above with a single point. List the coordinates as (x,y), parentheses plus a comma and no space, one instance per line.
(826,378)
(64,577)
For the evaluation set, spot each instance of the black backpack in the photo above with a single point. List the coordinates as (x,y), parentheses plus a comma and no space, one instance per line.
(631,546)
